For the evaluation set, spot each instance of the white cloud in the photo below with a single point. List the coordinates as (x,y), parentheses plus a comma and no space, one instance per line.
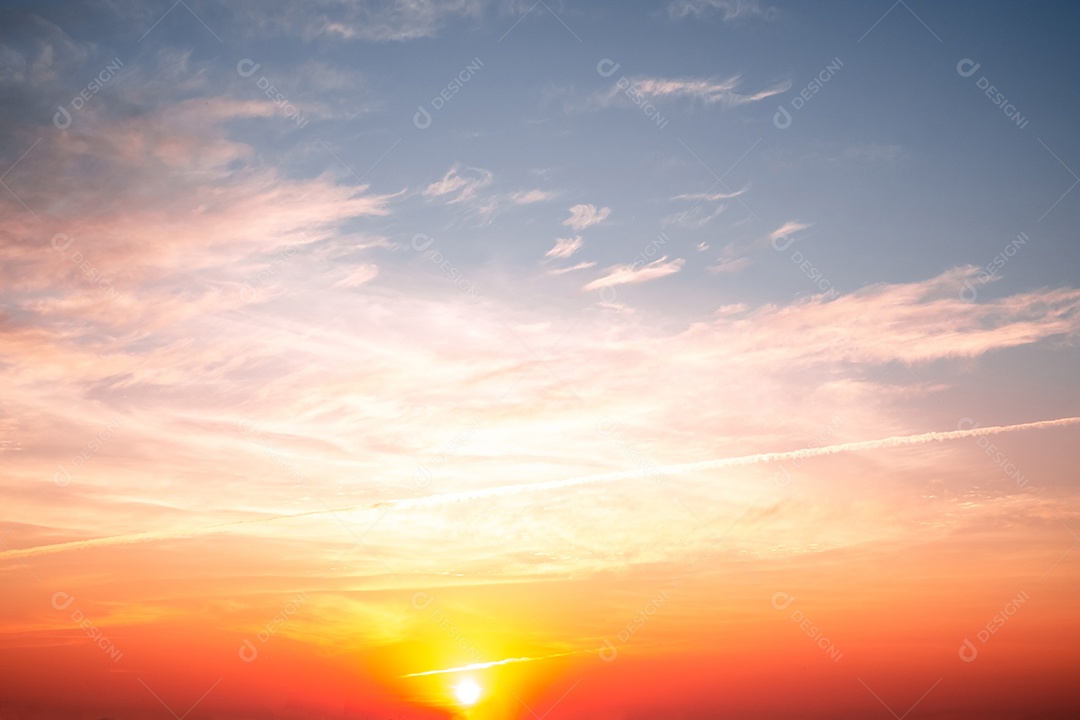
(358,276)
(572,268)
(787,229)
(565,247)
(464,183)
(623,274)
(708,91)
(528,197)
(697,216)
(732,259)
(729,265)
(583,216)
(709,197)
(730,9)
(700,213)
(384,21)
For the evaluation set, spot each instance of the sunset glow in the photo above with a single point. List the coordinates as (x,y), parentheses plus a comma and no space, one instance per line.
(446,359)
(467,692)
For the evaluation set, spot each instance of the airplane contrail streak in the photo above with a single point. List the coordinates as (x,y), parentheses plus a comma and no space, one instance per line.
(506,490)
(150,535)
(895,441)
(493,663)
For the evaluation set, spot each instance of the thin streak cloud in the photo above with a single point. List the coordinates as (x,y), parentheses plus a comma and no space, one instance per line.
(508,490)
(493,663)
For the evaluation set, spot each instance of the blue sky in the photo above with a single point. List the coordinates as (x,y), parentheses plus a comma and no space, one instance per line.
(900,167)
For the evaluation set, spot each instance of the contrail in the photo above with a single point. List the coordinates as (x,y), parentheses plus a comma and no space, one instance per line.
(493,663)
(152,535)
(888,442)
(506,490)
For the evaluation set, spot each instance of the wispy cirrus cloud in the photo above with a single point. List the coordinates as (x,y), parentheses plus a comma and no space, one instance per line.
(572,268)
(379,21)
(465,185)
(729,10)
(789,228)
(708,91)
(358,275)
(732,265)
(633,273)
(565,247)
(710,197)
(704,208)
(462,183)
(583,216)
(530,197)
(922,322)
(730,261)
(695,217)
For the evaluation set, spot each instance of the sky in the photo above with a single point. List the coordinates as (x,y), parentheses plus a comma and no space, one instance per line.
(464,359)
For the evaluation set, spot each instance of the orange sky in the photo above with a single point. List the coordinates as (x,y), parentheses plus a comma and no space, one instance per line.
(622,596)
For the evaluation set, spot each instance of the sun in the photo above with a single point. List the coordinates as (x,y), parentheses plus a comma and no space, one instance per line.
(467,692)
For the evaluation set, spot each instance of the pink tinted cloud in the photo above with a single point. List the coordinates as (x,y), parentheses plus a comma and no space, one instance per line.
(623,274)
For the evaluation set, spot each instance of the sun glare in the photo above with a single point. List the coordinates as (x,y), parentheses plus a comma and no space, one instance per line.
(467,692)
